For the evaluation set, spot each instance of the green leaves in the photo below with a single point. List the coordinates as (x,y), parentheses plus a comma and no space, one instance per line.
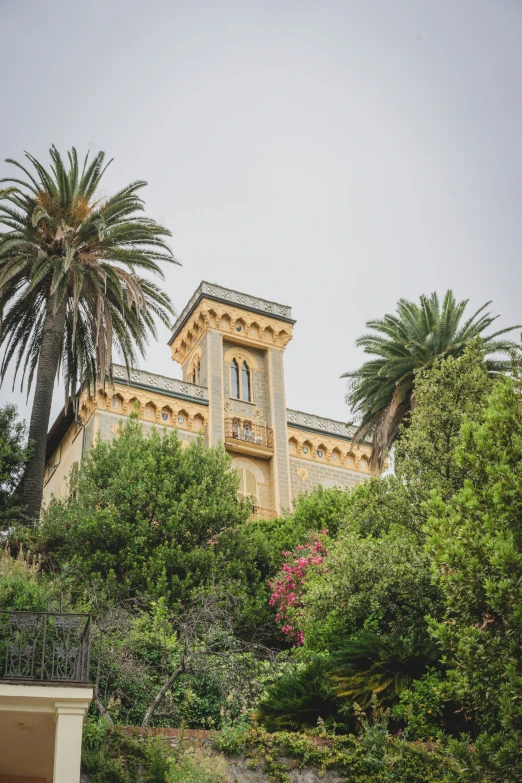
(381,389)
(55,214)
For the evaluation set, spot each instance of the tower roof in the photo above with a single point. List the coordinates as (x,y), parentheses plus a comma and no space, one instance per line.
(228,295)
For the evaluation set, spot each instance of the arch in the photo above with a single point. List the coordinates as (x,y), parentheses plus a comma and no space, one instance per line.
(166,415)
(198,423)
(240,326)
(321,452)
(118,402)
(241,354)
(182,419)
(235,382)
(254,331)
(350,461)
(307,449)
(225,322)
(333,484)
(250,477)
(134,405)
(336,457)
(268,334)
(195,373)
(150,410)
(246,382)
(292,447)
(363,464)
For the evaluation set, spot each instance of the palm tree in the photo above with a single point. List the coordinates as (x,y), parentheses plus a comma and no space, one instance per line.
(70,285)
(381,667)
(381,391)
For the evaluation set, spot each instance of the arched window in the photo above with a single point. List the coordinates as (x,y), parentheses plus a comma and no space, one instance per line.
(246,392)
(195,371)
(234,380)
(247,486)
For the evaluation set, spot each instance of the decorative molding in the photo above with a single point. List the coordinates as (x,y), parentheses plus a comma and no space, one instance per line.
(303,473)
(142,379)
(244,327)
(229,296)
(339,429)
(328,450)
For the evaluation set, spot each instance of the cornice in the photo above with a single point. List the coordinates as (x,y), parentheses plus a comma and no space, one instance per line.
(241,326)
(217,293)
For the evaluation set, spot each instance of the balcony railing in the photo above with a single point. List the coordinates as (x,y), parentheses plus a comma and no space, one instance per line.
(45,646)
(248,432)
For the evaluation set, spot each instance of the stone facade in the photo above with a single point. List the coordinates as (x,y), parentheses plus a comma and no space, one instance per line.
(232,345)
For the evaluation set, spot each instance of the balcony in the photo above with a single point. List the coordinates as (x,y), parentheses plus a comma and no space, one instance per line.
(249,437)
(45,647)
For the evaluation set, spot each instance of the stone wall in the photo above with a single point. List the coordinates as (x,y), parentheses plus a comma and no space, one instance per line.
(234,769)
(305,475)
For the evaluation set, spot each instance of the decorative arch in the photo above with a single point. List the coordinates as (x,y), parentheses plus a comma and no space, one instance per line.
(242,365)
(307,449)
(118,402)
(182,419)
(198,423)
(333,484)
(292,447)
(166,415)
(241,354)
(336,457)
(321,452)
(250,477)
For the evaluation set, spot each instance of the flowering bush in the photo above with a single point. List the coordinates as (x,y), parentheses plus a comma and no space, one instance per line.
(287,587)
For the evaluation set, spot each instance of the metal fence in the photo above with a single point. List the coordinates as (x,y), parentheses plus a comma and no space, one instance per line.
(248,432)
(45,646)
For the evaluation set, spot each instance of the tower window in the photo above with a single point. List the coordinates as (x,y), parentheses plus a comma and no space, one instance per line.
(246,392)
(195,377)
(234,380)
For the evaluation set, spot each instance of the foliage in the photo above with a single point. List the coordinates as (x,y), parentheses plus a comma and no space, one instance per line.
(72,285)
(287,587)
(21,587)
(67,244)
(454,389)
(155,540)
(13,457)
(301,696)
(369,668)
(427,711)
(381,390)
(475,541)
(378,584)
(372,757)
(111,756)
(251,555)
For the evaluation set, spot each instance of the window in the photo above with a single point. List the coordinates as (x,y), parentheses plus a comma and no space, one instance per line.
(245,383)
(195,377)
(248,485)
(234,380)
(240,382)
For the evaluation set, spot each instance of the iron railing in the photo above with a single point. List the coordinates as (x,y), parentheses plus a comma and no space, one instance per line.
(45,646)
(249,432)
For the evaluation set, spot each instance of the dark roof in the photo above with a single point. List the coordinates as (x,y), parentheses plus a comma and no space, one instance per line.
(58,430)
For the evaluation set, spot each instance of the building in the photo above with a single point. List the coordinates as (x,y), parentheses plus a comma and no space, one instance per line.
(231,350)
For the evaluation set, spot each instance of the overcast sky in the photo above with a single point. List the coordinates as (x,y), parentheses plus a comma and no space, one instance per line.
(332,156)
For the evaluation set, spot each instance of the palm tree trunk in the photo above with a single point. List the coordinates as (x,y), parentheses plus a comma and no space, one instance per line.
(50,352)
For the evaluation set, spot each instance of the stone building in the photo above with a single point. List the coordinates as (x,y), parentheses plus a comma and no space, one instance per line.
(231,350)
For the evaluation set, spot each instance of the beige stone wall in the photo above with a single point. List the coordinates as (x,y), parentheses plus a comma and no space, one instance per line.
(59,467)
(306,475)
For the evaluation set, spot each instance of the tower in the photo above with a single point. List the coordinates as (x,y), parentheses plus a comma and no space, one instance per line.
(233,344)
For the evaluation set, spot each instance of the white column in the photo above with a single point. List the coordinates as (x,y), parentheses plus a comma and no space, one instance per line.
(68,741)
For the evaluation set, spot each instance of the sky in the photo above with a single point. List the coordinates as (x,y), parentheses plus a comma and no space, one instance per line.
(331,156)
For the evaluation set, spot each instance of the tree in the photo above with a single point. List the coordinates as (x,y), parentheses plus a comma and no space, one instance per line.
(71,287)
(13,458)
(475,541)
(141,518)
(452,390)
(382,389)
